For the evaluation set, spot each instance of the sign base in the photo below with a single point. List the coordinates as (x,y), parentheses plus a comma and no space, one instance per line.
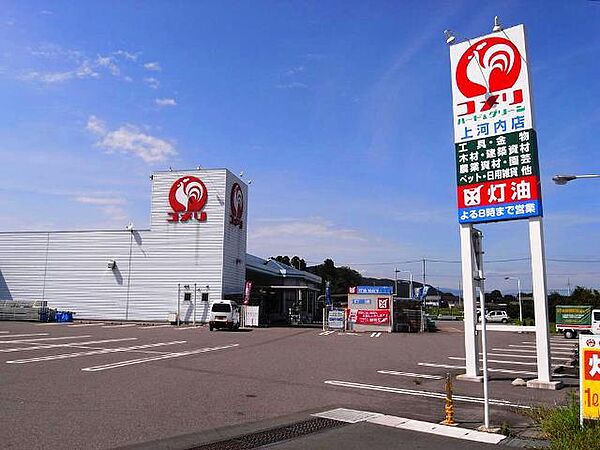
(465,377)
(549,385)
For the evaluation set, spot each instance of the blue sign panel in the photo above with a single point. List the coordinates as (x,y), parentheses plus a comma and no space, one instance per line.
(506,211)
(361,301)
(374,290)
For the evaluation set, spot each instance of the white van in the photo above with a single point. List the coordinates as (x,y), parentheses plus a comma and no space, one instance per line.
(224,314)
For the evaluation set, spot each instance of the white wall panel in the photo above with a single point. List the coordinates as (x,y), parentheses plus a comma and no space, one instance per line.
(150,263)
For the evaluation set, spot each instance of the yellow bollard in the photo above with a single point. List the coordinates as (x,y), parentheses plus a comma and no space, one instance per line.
(449,408)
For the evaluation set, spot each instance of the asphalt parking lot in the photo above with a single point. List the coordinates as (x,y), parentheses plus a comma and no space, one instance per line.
(105,385)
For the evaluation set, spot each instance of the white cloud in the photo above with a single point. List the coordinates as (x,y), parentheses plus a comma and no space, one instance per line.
(152,82)
(108,63)
(165,102)
(100,201)
(292,85)
(82,67)
(129,139)
(153,66)
(294,70)
(126,55)
(95,125)
(112,207)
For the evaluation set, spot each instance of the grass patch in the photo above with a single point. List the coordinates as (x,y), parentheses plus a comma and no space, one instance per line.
(560,425)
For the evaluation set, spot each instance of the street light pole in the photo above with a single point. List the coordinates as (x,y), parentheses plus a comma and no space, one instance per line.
(564,179)
(519,296)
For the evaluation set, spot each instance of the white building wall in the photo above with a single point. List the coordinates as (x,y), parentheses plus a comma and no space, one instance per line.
(69,269)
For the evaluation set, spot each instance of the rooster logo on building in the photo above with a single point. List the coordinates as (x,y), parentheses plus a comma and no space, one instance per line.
(237,206)
(187,197)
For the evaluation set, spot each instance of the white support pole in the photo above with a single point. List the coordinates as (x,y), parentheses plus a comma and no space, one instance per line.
(470,316)
(540,301)
(486,396)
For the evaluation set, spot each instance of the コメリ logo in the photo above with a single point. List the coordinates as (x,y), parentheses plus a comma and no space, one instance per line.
(237,206)
(493,63)
(187,197)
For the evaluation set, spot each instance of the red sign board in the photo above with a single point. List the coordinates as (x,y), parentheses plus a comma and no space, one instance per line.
(247,290)
(372,317)
(498,192)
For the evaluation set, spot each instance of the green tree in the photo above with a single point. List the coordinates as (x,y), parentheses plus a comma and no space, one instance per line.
(340,278)
(295,261)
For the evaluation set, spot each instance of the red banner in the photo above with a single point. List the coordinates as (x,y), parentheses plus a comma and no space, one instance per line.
(247,290)
(493,193)
(372,317)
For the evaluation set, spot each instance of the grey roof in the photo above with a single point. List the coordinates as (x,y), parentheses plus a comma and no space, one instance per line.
(275,268)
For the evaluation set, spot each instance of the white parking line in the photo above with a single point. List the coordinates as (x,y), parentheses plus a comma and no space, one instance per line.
(326,333)
(410,374)
(524,356)
(449,366)
(155,358)
(86,325)
(4,332)
(71,344)
(93,352)
(121,326)
(152,327)
(532,347)
(498,361)
(23,335)
(460,398)
(530,351)
(26,341)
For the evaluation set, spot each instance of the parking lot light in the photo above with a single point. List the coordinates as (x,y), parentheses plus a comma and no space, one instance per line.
(564,179)
(519,291)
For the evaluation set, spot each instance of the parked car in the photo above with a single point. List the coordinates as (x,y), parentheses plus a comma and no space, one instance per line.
(494,316)
(224,314)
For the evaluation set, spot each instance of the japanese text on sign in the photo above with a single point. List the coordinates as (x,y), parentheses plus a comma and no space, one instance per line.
(505,156)
(589,376)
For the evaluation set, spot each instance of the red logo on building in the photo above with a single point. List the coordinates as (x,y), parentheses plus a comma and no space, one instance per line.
(187,198)
(237,206)
(493,63)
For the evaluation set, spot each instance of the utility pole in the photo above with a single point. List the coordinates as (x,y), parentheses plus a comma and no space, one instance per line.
(424,272)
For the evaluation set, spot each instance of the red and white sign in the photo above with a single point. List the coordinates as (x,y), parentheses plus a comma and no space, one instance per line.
(490,85)
(372,317)
(383,303)
(187,197)
(237,206)
(498,192)
(589,377)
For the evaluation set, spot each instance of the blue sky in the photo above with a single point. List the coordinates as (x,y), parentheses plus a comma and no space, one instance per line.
(339,112)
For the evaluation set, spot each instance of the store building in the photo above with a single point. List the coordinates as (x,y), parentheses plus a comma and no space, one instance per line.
(285,294)
(197,237)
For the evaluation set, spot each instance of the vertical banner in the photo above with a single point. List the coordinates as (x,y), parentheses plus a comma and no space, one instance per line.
(497,169)
(247,291)
(327,294)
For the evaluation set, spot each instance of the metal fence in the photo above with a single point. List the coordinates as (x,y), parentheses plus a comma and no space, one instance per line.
(34,310)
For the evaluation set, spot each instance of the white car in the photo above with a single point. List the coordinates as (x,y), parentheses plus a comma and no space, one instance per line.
(224,314)
(494,316)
